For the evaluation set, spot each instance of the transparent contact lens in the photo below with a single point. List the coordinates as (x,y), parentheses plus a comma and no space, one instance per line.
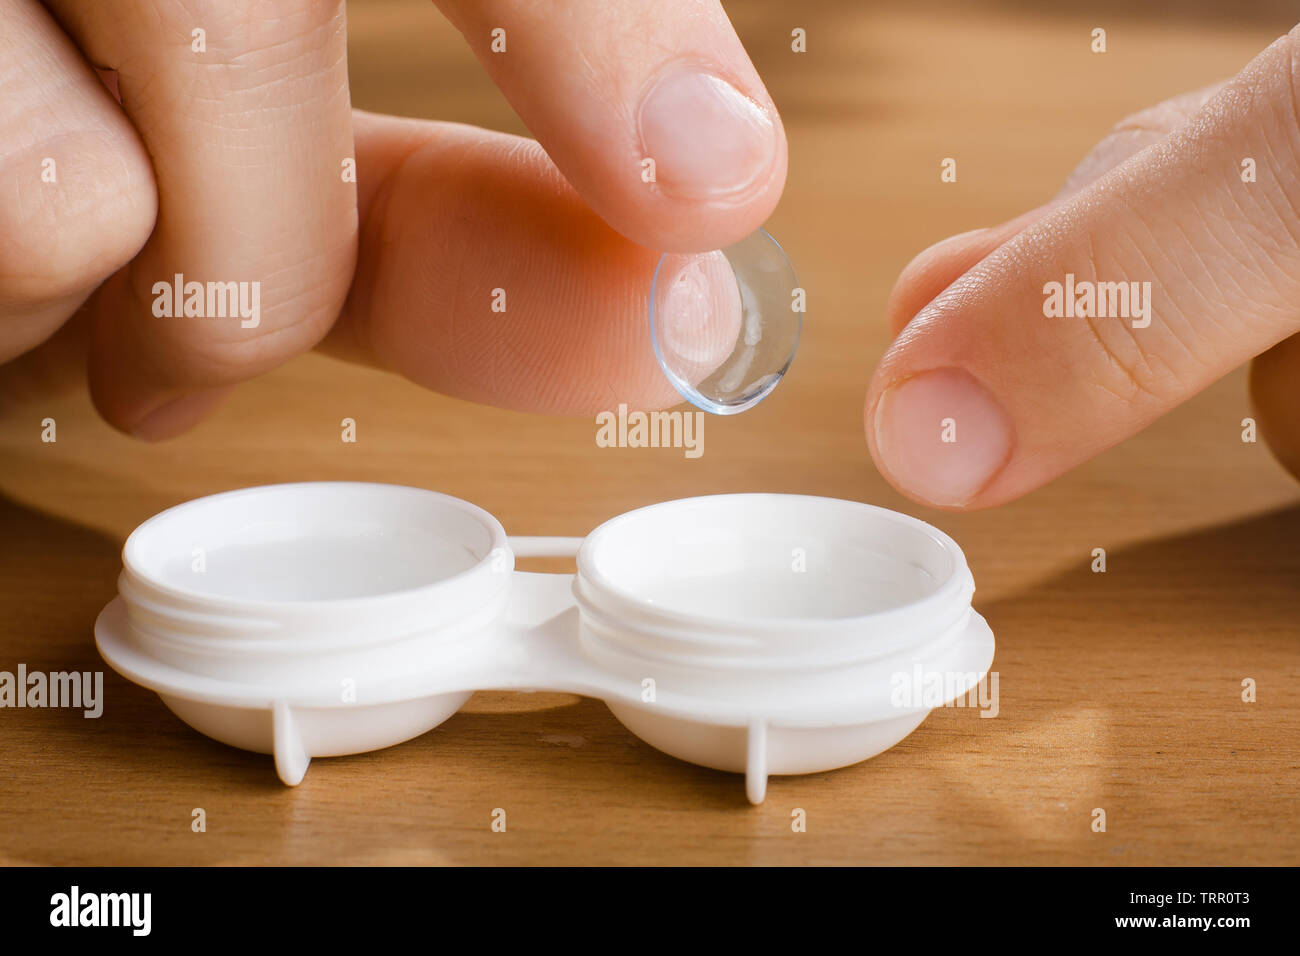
(725,324)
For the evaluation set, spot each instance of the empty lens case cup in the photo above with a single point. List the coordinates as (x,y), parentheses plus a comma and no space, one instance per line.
(754,633)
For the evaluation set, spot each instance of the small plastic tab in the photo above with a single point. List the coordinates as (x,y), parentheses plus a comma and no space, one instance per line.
(291,757)
(756,763)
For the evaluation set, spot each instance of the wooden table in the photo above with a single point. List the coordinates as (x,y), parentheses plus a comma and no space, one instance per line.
(1119,690)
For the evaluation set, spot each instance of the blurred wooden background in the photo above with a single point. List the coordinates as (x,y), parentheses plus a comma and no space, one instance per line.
(1119,691)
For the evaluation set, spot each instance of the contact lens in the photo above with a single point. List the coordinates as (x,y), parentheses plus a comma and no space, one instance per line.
(725,324)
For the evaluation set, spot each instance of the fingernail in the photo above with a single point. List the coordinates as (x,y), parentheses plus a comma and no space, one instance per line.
(706,138)
(177,415)
(942,436)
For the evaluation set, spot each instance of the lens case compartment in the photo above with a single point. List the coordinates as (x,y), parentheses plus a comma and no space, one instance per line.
(754,633)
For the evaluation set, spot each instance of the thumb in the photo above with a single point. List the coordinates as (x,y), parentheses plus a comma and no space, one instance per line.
(1117,303)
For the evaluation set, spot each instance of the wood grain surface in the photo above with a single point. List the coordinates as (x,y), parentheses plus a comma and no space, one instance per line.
(1119,690)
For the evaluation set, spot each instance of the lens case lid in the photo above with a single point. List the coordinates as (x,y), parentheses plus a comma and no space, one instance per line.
(757,633)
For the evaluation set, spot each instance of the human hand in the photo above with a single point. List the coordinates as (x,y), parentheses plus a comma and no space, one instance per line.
(229,165)
(1167,199)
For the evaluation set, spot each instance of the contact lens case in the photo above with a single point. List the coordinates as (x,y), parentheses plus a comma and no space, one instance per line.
(753,633)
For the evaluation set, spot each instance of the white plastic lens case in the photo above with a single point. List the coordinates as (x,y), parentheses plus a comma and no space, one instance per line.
(754,633)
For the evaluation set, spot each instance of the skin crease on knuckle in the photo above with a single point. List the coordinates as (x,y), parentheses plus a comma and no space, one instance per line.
(56,243)
(56,248)
(304,279)
(212,361)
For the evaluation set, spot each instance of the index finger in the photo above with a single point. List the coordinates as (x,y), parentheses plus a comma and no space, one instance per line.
(650,108)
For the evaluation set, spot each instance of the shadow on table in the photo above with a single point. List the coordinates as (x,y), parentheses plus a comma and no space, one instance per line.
(1113,685)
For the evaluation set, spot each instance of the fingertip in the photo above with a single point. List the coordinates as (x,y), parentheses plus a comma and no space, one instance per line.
(135,394)
(707,140)
(713,162)
(651,216)
(939,436)
(1275,401)
(174,416)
